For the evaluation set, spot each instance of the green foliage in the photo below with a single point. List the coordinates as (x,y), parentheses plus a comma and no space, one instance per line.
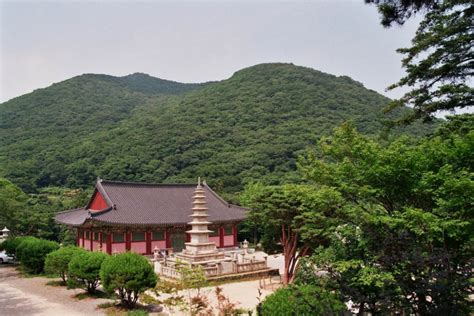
(395,11)
(440,60)
(191,277)
(250,127)
(129,274)
(292,219)
(85,266)
(32,214)
(406,225)
(11,244)
(57,262)
(31,252)
(302,300)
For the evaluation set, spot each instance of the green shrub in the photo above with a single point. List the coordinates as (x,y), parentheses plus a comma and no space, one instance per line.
(57,261)
(32,252)
(301,300)
(129,274)
(11,244)
(85,266)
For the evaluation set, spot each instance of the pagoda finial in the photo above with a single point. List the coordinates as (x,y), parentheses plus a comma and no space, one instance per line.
(199,181)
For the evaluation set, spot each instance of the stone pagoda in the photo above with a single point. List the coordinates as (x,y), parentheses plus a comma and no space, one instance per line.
(199,249)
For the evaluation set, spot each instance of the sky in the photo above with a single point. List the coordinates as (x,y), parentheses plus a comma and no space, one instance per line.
(195,41)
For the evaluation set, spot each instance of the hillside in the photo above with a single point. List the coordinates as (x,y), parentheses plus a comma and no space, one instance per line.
(139,128)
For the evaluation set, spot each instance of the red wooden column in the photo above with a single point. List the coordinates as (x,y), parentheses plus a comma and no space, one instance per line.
(234,232)
(128,241)
(83,237)
(91,239)
(148,242)
(109,243)
(221,237)
(168,238)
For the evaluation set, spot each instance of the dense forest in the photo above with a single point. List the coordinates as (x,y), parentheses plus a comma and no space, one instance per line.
(249,127)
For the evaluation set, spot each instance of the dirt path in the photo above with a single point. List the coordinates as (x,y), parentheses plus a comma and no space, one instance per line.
(31,296)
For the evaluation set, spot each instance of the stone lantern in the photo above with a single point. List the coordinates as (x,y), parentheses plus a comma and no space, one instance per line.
(245,245)
(5,232)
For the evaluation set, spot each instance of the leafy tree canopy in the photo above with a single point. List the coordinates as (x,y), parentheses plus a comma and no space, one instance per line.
(129,275)
(404,241)
(440,60)
(57,262)
(85,266)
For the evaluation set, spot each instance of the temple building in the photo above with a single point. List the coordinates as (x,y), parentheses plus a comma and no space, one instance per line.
(141,218)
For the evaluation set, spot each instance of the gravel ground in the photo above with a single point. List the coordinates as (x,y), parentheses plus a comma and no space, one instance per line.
(31,296)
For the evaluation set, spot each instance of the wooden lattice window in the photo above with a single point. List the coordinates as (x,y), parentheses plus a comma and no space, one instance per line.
(228,231)
(158,235)
(138,236)
(118,237)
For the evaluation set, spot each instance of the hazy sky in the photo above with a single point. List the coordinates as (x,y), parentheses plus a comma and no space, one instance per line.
(45,42)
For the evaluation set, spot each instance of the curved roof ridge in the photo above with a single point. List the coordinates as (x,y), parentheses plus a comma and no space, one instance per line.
(147,183)
(102,191)
(71,210)
(216,195)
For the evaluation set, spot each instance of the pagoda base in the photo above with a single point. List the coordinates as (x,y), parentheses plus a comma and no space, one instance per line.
(202,257)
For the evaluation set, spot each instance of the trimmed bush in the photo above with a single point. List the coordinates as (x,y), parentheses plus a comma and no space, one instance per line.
(32,252)
(11,244)
(85,266)
(129,275)
(301,300)
(57,262)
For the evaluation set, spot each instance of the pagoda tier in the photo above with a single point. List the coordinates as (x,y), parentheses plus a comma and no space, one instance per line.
(199,248)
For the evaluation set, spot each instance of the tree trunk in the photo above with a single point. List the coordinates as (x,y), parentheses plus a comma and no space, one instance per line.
(289,241)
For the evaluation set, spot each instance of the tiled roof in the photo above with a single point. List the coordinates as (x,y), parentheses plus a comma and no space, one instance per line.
(151,204)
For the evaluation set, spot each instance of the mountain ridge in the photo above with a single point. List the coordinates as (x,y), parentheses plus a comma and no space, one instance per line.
(249,127)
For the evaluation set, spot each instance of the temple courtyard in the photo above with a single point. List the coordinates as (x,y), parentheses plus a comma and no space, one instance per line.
(32,296)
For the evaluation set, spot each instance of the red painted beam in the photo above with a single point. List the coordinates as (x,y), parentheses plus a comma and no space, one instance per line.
(109,243)
(168,238)
(128,241)
(234,232)
(221,237)
(148,242)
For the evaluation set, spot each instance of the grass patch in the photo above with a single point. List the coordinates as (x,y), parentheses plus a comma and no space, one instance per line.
(97,294)
(114,309)
(106,305)
(56,283)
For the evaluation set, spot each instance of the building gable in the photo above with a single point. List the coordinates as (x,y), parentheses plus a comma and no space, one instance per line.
(97,202)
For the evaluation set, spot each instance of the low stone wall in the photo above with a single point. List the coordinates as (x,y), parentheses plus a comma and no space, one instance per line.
(230,267)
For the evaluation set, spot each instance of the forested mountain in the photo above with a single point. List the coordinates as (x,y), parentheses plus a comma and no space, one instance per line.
(139,128)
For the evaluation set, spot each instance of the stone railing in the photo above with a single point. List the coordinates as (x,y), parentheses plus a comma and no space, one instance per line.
(246,266)
(170,272)
(211,271)
(251,266)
